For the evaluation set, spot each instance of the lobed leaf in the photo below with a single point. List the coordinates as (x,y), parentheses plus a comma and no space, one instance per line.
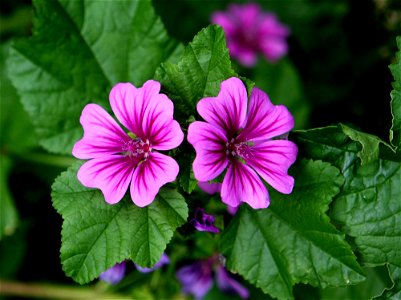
(96,235)
(292,240)
(368,208)
(70,62)
(203,66)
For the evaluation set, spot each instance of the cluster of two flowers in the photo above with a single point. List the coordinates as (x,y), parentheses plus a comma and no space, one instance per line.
(236,136)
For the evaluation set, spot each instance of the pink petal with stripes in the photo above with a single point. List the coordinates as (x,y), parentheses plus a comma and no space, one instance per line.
(242,184)
(112,174)
(150,175)
(129,103)
(271,161)
(102,134)
(226,111)
(158,125)
(265,120)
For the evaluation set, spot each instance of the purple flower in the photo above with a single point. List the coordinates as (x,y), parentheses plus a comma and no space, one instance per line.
(250,31)
(204,222)
(164,260)
(197,279)
(115,274)
(240,137)
(118,159)
(228,285)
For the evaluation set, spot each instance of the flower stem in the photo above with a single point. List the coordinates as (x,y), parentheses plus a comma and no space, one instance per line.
(59,161)
(50,291)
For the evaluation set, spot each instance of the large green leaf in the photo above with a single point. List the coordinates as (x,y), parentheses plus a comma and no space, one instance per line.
(395,133)
(292,240)
(70,60)
(203,66)
(368,207)
(97,235)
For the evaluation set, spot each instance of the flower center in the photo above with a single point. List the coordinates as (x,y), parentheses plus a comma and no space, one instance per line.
(237,150)
(137,148)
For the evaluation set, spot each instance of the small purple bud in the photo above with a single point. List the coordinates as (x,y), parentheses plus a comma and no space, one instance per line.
(204,222)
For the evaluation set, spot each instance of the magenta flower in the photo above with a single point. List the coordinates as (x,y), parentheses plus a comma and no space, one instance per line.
(115,274)
(250,31)
(118,159)
(197,279)
(243,138)
(204,222)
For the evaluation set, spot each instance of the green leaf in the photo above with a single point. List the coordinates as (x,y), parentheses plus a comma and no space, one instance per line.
(8,212)
(369,144)
(292,240)
(395,132)
(368,207)
(186,176)
(70,62)
(394,292)
(96,235)
(372,286)
(203,66)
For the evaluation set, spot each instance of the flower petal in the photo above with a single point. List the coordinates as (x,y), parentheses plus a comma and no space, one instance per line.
(129,103)
(205,132)
(150,175)
(112,174)
(241,184)
(115,274)
(210,160)
(224,20)
(158,125)
(210,187)
(265,120)
(271,161)
(102,134)
(196,279)
(228,284)
(228,109)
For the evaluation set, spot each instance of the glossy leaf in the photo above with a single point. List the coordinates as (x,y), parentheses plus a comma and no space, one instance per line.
(292,240)
(96,235)
(368,208)
(70,62)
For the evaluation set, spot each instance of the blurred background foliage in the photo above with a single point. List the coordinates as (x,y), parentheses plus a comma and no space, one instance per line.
(336,71)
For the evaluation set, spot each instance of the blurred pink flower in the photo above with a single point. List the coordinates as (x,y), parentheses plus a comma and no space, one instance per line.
(250,31)
(242,138)
(118,159)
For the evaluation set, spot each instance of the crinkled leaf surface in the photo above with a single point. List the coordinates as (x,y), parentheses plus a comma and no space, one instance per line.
(203,66)
(368,208)
(395,133)
(292,240)
(96,235)
(79,49)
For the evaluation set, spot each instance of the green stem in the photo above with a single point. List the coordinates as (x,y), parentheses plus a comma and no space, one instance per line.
(45,159)
(50,291)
